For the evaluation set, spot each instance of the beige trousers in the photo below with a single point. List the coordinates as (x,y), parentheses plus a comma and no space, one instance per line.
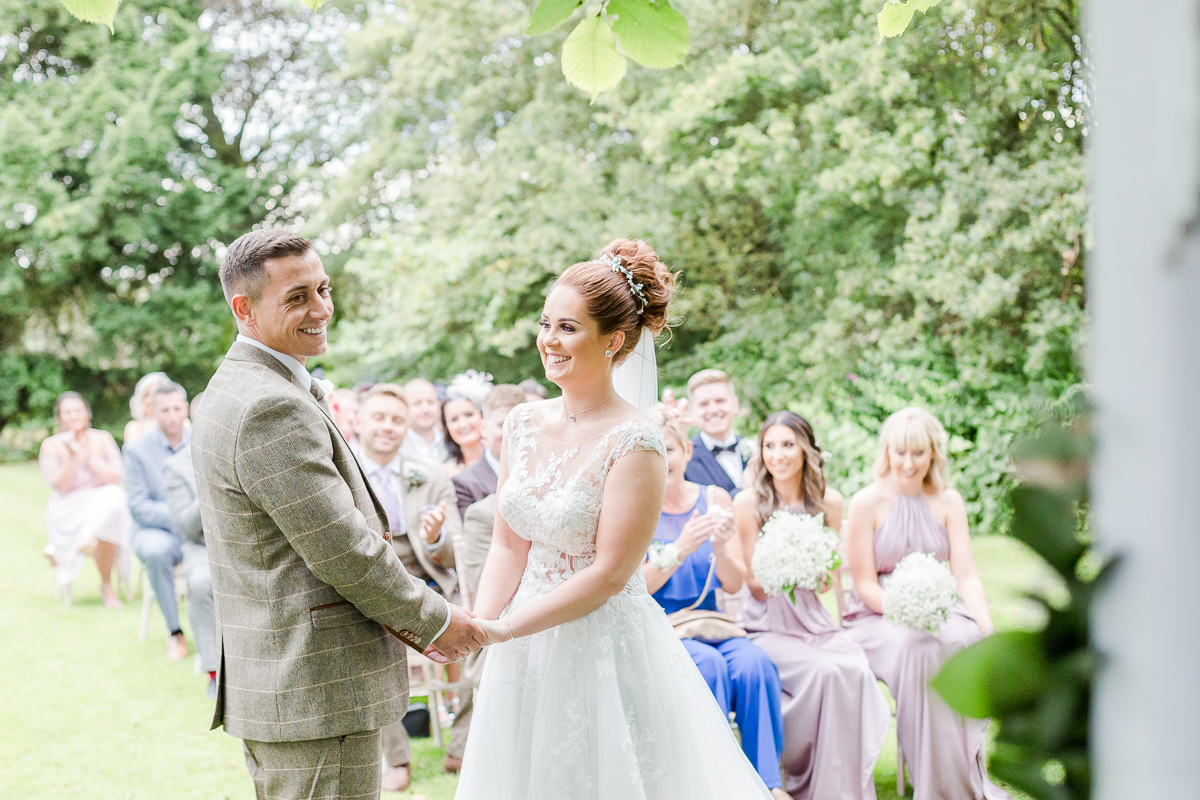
(339,768)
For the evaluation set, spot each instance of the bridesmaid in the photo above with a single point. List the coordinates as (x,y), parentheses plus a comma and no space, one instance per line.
(740,675)
(911,507)
(835,716)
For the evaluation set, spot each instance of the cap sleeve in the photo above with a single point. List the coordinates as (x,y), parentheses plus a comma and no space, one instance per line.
(639,435)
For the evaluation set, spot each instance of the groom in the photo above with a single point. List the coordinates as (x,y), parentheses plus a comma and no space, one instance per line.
(312,602)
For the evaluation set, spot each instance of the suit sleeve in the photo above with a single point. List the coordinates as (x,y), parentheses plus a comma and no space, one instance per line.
(477,538)
(146,510)
(182,503)
(284,462)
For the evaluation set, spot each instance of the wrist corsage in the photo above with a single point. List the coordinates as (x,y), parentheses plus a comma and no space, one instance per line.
(663,555)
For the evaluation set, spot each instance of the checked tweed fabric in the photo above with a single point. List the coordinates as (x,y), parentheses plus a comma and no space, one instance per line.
(304,581)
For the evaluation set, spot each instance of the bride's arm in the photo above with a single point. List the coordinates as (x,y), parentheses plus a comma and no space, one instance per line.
(632,503)
(505,559)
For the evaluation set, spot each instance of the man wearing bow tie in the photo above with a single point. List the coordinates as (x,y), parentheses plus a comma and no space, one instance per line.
(717,457)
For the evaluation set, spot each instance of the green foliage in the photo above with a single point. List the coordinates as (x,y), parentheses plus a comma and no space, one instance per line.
(1038,685)
(549,14)
(652,34)
(860,226)
(119,186)
(894,17)
(99,11)
(589,57)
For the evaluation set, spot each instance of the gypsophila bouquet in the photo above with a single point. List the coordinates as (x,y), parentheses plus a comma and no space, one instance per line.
(920,593)
(794,551)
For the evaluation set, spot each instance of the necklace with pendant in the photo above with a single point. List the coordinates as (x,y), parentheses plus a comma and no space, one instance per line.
(577,413)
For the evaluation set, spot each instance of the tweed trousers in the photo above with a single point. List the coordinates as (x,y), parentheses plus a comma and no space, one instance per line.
(339,768)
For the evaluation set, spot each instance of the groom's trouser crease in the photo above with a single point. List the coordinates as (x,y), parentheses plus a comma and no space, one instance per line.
(350,767)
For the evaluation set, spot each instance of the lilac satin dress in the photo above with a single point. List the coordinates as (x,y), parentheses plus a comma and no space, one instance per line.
(835,716)
(944,751)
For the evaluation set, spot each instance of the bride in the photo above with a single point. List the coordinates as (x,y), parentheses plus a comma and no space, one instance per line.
(587,692)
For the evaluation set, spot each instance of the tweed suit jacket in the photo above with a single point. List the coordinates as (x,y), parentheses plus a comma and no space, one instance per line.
(306,585)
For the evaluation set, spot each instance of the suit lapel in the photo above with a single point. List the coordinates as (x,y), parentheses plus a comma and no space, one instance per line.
(707,462)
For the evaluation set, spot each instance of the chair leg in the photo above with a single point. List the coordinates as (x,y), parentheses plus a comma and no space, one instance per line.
(900,785)
(147,601)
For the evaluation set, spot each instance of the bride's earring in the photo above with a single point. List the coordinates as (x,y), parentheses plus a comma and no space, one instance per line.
(608,353)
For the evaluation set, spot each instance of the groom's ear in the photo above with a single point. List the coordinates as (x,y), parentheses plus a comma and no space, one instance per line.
(243,309)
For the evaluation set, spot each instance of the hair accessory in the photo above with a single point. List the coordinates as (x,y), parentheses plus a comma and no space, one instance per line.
(614,261)
(470,385)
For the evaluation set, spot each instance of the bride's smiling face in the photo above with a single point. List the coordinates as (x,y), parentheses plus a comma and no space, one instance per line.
(570,342)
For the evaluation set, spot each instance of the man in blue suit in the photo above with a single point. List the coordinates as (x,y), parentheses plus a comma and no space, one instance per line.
(719,457)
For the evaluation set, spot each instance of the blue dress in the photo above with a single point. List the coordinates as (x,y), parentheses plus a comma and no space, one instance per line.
(742,678)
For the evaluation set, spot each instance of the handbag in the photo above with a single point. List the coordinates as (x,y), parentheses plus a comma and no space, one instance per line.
(701,624)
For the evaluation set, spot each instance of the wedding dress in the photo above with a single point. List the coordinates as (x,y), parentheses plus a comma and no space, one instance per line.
(608,706)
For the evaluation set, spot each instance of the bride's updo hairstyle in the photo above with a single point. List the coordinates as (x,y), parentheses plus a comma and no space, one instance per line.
(610,300)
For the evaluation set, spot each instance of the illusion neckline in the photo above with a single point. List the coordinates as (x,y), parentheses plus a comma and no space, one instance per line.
(534,424)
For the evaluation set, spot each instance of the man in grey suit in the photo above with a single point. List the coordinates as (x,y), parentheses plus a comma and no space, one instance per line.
(479,480)
(179,490)
(312,602)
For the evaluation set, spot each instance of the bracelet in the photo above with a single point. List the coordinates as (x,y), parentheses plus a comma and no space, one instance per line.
(511,636)
(664,556)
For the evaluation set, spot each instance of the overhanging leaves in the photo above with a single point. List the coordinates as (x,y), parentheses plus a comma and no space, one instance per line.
(99,11)
(992,676)
(590,60)
(549,14)
(652,34)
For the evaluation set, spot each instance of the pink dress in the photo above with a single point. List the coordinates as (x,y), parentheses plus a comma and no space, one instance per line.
(89,511)
(944,751)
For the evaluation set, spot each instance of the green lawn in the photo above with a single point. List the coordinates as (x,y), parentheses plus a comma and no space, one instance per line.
(90,713)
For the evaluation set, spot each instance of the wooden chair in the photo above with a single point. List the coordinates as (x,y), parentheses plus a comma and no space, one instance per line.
(842,587)
(428,678)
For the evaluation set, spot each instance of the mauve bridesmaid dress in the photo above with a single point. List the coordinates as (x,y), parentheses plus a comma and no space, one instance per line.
(835,716)
(944,751)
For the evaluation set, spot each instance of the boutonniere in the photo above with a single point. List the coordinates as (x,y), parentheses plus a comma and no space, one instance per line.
(747,449)
(414,475)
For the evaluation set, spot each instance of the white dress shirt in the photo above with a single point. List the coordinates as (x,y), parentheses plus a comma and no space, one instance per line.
(414,444)
(730,461)
(290,362)
(492,461)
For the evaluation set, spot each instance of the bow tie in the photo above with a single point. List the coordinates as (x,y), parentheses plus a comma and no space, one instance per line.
(724,448)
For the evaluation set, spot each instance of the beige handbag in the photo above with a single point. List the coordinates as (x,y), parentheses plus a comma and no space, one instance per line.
(701,624)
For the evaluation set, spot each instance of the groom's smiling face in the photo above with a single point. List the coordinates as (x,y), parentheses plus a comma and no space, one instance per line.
(293,313)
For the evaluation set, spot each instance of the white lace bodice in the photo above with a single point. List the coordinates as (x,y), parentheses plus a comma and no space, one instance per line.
(554,489)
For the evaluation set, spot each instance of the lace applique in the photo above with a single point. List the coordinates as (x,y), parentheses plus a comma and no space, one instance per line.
(640,740)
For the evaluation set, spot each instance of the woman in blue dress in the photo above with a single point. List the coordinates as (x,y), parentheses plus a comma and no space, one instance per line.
(695,550)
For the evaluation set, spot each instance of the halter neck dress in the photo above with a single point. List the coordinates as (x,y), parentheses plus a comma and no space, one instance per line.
(944,751)
(835,716)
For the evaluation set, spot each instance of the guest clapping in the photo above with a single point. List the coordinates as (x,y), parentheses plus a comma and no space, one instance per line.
(155,540)
(911,507)
(696,542)
(720,455)
(462,419)
(425,438)
(139,406)
(179,490)
(834,714)
(87,511)
(479,479)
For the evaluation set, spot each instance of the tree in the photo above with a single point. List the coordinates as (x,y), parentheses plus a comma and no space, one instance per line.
(847,249)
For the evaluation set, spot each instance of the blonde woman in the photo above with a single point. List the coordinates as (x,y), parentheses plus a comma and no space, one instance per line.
(911,507)
(139,406)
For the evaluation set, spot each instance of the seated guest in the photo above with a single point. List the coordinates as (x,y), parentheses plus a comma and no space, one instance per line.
(533,390)
(478,521)
(479,480)
(423,521)
(720,455)
(155,540)
(462,419)
(179,490)
(344,404)
(425,438)
(698,523)
(87,512)
(139,406)
(834,714)
(912,507)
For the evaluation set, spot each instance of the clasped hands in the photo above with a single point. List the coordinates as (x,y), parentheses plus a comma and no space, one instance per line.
(465,635)
(716,524)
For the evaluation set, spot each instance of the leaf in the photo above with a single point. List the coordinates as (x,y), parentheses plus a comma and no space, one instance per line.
(652,34)
(549,14)
(590,59)
(1045,520)
(894,18)
(99,11)
(994,676)
(923,5)
(314,4)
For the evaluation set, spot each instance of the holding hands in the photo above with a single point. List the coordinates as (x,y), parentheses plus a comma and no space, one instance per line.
(462,637)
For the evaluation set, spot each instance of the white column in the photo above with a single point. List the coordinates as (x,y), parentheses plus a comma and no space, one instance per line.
(1144,299)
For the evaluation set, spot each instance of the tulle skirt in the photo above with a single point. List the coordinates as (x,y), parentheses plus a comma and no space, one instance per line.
(606,707)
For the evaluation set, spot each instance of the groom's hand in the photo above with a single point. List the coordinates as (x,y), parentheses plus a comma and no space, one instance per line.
(462,637)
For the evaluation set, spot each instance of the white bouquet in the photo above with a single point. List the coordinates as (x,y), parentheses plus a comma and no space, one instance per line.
(794,551)
(920,593)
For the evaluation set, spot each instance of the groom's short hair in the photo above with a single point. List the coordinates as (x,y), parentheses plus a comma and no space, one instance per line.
(242,269)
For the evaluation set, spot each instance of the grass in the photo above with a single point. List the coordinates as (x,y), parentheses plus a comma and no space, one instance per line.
(89,712)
